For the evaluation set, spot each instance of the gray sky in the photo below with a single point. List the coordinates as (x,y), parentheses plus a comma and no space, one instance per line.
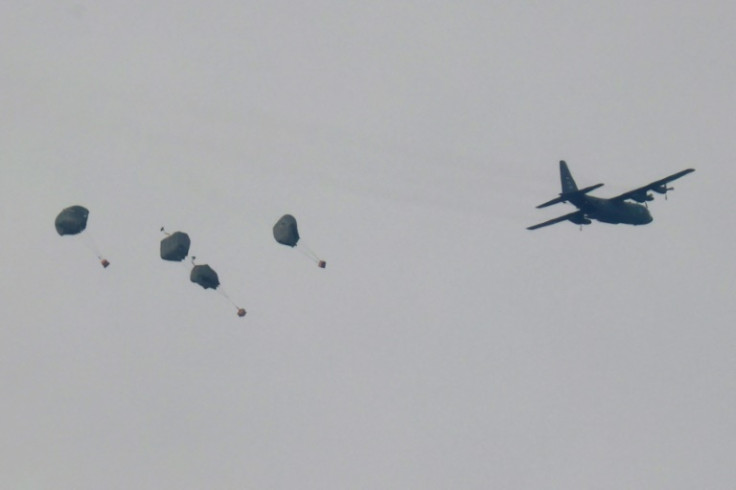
(444,346)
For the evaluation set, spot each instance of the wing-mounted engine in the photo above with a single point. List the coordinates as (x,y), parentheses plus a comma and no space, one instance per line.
(579,219)
(662,189)
(642,196)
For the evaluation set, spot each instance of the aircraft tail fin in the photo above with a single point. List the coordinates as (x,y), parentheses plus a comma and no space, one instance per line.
(570,189)
(568,183)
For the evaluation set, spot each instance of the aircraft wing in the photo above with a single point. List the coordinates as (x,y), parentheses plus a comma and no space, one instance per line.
(576,217)
(659,186)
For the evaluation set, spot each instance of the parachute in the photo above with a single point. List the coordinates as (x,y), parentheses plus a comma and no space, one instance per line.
(175,247)
(286,233)
(205,276)
(72,221)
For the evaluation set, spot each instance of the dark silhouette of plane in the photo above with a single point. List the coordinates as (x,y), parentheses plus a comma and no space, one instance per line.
(615,210)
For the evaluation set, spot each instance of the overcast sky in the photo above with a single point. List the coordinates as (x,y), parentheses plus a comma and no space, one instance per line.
(444,346)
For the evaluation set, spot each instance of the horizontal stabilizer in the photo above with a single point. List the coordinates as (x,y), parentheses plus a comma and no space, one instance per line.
(585,190)
(567,196)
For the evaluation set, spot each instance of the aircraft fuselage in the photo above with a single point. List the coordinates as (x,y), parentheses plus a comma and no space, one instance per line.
(613,212)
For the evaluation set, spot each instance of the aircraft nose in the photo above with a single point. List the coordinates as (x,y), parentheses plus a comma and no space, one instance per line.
(647,216)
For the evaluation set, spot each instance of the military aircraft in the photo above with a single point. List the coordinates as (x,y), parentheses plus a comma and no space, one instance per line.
(614,210)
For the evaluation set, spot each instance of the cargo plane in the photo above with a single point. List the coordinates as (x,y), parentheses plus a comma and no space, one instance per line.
(614,210)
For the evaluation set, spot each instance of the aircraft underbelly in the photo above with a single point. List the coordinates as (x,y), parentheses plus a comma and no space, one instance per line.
(606,218)
(621,213)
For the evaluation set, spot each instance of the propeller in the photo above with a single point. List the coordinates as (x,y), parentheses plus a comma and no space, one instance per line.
(662,189)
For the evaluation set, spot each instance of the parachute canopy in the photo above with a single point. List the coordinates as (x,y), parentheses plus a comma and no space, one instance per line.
(175,247)
(205,276)
(71,220)
(285,231)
